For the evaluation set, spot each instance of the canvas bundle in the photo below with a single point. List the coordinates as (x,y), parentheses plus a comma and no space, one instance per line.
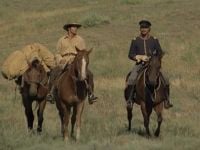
(17,62)
(14,66)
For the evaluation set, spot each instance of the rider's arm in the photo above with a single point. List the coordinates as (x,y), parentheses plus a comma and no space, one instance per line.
(81,43)
(133,54)
(158,48)
(58,56)
(133,51)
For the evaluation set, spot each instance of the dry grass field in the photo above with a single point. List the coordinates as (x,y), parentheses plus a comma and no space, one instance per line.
(108,27)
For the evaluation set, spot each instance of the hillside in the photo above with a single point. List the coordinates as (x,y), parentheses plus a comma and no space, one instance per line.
(109,26)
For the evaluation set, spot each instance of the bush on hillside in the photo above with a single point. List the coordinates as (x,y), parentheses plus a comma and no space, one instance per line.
(132,2)
(92,20)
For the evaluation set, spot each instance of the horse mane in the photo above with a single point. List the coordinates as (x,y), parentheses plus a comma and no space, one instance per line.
(71,67)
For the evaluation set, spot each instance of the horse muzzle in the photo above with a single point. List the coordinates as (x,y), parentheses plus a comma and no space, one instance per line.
(82,77)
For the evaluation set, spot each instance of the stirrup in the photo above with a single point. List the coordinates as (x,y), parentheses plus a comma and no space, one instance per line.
(129,103)
(92,99)
(50,98)
(167,105)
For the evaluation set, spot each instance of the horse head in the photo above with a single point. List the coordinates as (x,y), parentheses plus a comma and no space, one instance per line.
(34,76)
(153,69)
(80,63)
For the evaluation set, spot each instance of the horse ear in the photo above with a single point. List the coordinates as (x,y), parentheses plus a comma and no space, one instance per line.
(89,51)
(77,49)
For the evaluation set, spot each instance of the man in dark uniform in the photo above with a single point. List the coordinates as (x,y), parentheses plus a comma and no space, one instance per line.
(142,48)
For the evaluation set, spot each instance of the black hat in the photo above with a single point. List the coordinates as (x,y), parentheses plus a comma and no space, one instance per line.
(144,24)
(66,26)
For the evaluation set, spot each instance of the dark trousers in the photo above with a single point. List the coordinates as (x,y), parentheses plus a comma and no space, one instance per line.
(134,73)
(90,82)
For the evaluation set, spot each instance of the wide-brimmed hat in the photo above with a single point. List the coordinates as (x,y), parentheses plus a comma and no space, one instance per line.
(145,24)
(68,25)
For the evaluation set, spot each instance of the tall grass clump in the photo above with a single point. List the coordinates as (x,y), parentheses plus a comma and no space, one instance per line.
(131,2)
(94,19)
(189,58)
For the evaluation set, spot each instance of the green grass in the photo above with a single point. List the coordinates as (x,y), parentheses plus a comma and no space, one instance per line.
(131,2)
(109,26)
(93,19)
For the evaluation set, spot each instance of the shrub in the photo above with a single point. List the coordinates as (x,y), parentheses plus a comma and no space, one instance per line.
(132,2)
(92,20)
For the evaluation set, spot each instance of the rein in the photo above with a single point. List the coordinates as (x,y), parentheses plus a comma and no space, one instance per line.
(42,82)
(73,75)
(155,89)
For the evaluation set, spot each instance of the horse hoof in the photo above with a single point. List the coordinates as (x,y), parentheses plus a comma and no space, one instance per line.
(66,139)
(39,130)
(148,135)
(77,135)
(157,134)
(30,131)
(129,106)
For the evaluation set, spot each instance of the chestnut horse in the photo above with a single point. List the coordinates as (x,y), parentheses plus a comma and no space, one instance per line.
(150,93)
(71,91)
(34,87)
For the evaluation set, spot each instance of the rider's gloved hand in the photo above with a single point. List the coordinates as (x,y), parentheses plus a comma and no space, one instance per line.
(145,58)
(140,58)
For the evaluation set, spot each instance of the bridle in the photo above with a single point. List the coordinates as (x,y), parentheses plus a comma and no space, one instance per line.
(157,87)
(42,82)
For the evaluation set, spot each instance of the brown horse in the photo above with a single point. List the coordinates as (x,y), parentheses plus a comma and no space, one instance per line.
(150,93)
(71,91)
(34,87)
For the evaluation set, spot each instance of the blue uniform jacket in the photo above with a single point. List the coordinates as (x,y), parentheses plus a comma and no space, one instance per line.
(140,46)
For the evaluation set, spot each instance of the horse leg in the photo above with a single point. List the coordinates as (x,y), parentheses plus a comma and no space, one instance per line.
(29,113)
(40,111)
(146,115)
(73,120)
(61,113)
(129,116)
(158,109)
(66,122)
(80,107)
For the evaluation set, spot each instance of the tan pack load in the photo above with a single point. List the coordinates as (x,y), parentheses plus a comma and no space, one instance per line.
(17,62)
(40,52)
(14,66)
(46,56)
